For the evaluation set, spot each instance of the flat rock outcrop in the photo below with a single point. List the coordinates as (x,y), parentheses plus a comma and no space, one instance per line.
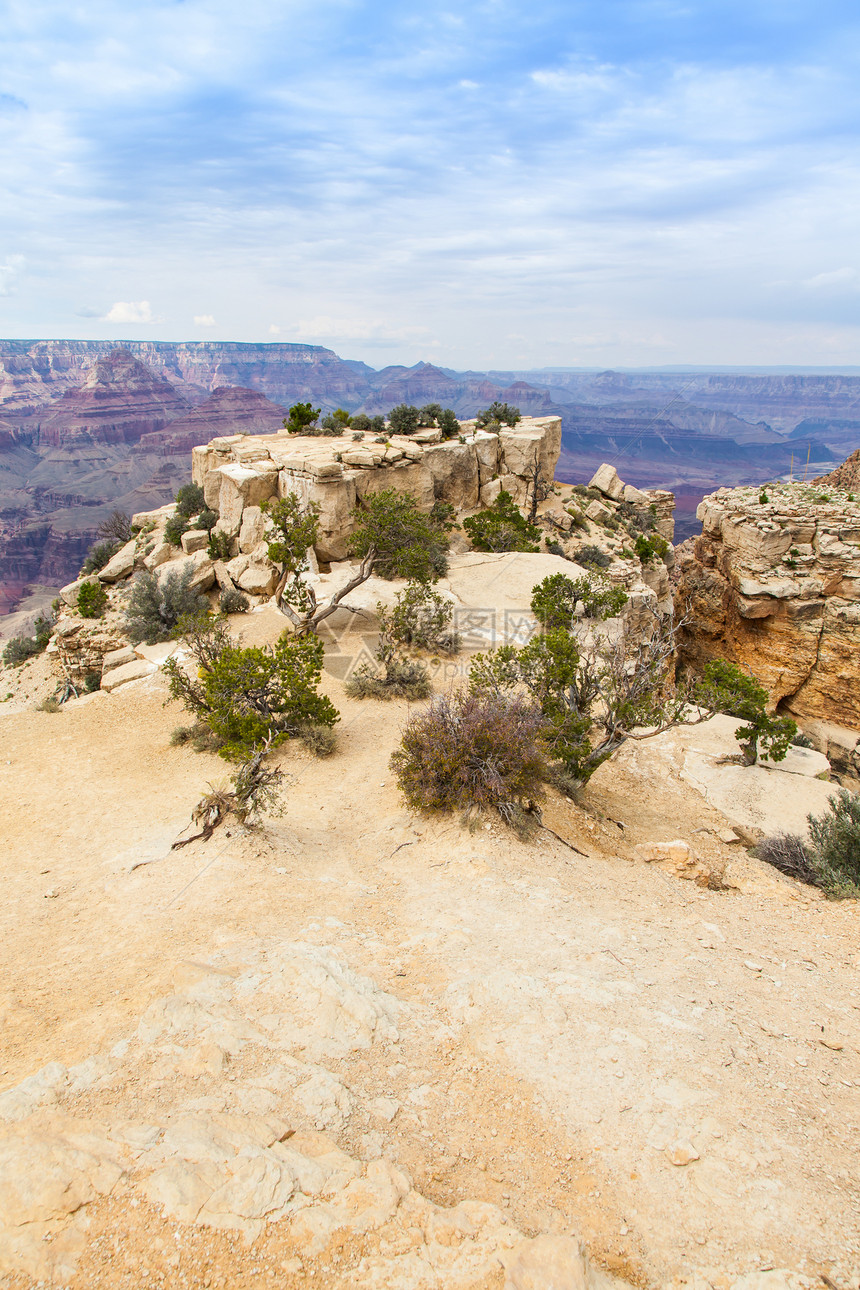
(258,1148)
(773,584)
(237,472)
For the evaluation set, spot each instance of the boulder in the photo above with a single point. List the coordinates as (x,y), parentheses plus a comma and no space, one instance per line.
(517,487)
(194,540)
(69,593)
(552,1262)
(254,525)
(203,570)
(598,512)
(157,653)
(159,516)
(243,486)
(454,467)
(258,579)
(606,479)
(159,555)
(521,449)
(237,566)
(490,491)
(121,565)
(634,496)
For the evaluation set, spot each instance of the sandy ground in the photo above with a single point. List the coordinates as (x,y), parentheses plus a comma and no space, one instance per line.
(593,1045)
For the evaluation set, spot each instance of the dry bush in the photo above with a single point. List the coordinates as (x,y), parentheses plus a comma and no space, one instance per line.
(474,752)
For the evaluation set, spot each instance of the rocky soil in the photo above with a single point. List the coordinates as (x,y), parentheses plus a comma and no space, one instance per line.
(361,1048)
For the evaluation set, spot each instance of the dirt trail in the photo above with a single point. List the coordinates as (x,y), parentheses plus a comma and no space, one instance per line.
(575,1026)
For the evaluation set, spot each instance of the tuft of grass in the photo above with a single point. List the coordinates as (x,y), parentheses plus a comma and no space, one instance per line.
(403,678)
(320,740)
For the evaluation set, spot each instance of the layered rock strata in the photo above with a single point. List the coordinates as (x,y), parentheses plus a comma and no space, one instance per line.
(773,584)
(238,472)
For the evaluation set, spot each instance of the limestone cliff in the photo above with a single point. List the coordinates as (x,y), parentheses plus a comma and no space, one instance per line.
(774,585)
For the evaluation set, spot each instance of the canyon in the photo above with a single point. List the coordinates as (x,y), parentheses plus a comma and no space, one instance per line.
(90,426)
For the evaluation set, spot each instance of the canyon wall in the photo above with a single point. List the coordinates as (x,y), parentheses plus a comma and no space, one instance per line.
(773,584)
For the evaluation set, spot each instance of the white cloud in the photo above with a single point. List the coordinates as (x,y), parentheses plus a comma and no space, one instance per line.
(835,278)
(274,329)
(204,320)
(9,272)
(130,311)
(357,329)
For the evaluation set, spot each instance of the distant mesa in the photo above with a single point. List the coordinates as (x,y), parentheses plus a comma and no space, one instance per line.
(230,410)
(120,400)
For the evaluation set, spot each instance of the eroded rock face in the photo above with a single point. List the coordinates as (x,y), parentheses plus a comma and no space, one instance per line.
(775,587)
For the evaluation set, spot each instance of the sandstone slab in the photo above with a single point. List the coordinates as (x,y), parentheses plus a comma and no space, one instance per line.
(126,672)
(121,565)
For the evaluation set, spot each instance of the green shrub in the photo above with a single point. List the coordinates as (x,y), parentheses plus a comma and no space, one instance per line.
(42,629)
(99,555)
(92,682)
(92,599)
(190,500)
(763,498)
(174,528)
(498,414)
(593,557)
(836,845)
(267,693)
(406,542)
(233,601)
(555,600)
(301,416)
(250,697)
(219,546)
(18,649)
(473,752)
(360,424)
(404,419)
(206,520)
(724,687)
(502,527)
(555,548)
(428,414)
(448,423)
(51,704)
(400,677)
(831,860)
(420,617)
(155,605)
(788,853)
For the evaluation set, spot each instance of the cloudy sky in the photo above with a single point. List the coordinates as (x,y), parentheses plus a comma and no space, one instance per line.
(495,183)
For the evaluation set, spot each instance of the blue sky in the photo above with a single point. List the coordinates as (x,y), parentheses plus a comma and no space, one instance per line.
(504,183)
